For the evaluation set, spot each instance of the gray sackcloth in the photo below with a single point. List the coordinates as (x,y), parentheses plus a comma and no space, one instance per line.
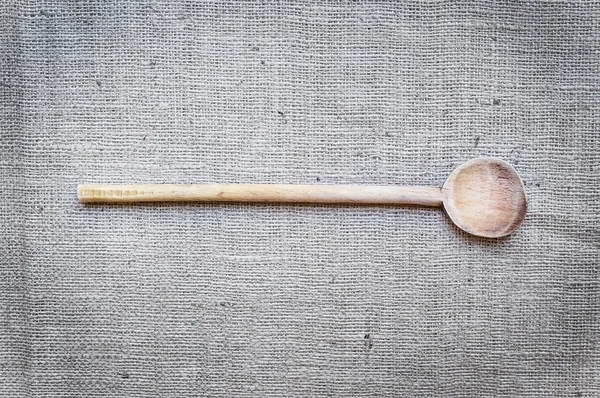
(241,300)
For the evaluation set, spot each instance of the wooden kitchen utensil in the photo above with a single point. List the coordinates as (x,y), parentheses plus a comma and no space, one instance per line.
(484,197)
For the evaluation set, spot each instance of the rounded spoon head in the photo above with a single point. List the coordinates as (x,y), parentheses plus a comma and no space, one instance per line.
(485,197)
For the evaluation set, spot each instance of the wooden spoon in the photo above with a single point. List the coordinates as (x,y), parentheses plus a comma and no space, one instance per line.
(484,197)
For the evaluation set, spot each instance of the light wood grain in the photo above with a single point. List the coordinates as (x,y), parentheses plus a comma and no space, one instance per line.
(484,197)
(89,193)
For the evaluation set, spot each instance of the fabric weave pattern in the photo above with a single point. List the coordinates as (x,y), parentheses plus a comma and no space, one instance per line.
(236,300)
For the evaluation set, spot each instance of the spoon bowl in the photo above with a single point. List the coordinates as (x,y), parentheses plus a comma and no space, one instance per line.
(485,197)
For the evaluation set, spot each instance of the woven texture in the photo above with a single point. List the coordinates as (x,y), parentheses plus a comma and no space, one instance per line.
(234,300)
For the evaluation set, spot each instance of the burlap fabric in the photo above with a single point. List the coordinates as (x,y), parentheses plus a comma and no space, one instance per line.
(227,300)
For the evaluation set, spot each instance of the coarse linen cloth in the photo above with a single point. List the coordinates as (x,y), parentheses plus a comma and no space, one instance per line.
(241,300)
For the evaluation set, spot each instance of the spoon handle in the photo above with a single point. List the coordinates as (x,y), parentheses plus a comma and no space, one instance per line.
(95,193)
